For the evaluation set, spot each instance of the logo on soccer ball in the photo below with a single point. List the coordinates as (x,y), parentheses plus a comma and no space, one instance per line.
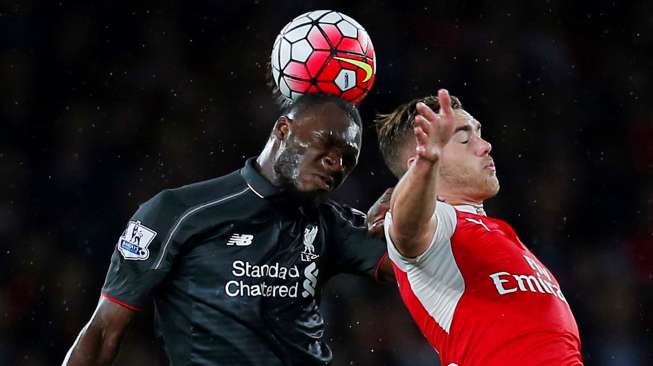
(324,51)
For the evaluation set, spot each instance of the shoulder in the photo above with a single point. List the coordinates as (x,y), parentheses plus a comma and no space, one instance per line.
(446,211)
(197,193)
(174,202)
(343,214)
(447,220)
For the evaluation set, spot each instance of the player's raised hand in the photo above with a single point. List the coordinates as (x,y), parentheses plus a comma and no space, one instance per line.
(434,130)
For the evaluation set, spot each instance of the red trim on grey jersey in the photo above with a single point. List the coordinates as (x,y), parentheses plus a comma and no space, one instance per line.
(121,303)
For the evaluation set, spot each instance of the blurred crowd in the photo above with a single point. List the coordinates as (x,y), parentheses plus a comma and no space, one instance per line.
(106,103)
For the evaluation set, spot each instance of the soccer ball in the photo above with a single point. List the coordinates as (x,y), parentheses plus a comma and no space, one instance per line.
(323,51)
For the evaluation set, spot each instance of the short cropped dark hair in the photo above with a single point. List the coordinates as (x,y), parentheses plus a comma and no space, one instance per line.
(393,130)
(305,101)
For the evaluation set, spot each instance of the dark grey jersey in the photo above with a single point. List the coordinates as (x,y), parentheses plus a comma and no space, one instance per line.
(235,268)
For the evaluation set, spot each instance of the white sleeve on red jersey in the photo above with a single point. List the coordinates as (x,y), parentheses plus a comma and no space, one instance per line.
(446,224)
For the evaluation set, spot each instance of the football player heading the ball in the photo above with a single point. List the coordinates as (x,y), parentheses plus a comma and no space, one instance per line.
(235,264)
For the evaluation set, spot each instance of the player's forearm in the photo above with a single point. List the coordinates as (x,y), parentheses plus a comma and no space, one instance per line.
(412,206)
(93,347)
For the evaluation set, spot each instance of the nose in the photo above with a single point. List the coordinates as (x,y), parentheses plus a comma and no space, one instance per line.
(333,162)
(484,147)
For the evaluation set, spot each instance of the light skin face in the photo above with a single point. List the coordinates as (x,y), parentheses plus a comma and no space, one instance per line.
(313,152)
(467,174)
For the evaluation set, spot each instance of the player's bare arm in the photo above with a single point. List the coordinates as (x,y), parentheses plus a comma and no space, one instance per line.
(413,201)
(376,214)
(98,342)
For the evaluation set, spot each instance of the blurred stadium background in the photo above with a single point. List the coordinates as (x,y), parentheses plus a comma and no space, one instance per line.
(106,103)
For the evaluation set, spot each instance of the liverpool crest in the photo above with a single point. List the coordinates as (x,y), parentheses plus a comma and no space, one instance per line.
(308,254)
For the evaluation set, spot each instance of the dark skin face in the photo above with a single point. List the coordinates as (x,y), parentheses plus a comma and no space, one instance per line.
(312,152)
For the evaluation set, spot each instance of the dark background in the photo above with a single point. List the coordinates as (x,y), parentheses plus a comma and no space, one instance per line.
(104,104)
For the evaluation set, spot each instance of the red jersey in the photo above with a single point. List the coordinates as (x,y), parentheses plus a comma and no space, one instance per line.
(480,297)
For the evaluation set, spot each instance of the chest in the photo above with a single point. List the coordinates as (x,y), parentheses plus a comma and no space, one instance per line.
(267,255)
(483,245)
(496,264)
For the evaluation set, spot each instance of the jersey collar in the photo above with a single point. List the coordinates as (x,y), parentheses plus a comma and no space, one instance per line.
(474,209)
(469,208)
(259,184)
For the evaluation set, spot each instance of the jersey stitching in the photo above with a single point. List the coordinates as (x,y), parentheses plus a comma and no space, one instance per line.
(350,222)
(185,216)
(253,190)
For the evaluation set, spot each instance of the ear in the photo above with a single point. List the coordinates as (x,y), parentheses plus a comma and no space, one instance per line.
(282,128)
(411,161)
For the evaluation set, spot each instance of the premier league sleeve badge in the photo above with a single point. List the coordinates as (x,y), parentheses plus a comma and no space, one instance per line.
(134,241)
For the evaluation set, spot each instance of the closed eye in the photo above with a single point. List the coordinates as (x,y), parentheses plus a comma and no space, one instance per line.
(467,130)
(463,134)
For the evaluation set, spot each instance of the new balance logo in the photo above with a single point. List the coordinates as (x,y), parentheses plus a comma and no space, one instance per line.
(240,240)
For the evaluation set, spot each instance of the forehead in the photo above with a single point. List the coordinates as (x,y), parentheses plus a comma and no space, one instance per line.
(327,119)
(463,118)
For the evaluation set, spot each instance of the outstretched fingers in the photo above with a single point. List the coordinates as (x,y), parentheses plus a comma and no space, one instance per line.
(423,136)
(422,139)
(434,130)
(426,111)
(424,124)
(445,103)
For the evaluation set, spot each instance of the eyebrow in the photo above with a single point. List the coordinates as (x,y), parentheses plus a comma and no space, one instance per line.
(463,128)
(467,127)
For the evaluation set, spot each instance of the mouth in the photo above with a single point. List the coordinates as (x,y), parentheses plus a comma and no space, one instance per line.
(490,166)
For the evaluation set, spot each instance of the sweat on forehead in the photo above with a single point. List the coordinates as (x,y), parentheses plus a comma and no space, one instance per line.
(308,101)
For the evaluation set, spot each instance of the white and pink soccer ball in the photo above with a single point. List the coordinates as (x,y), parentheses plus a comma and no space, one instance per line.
(324,51)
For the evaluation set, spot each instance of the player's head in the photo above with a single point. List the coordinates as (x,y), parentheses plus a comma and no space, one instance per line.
(318,139)
(466,168)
